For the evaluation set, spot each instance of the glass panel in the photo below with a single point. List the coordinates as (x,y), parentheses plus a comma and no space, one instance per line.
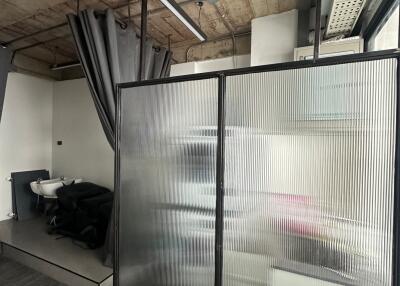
(168,184)
(310,176)
(387,37)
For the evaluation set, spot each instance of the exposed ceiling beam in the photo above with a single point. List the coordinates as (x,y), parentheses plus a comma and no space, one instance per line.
(24,37)
(223,16)
(42,43)
(61,25)
(65,24)
(225,37)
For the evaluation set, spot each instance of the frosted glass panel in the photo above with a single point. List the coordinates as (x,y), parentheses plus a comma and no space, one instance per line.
(168,184)
(309,168)
(280,277)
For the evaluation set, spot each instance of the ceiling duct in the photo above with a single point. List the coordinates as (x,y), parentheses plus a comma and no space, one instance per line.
(343,17)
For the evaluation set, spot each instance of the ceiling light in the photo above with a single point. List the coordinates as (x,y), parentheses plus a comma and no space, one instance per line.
(184,18)
(65,66)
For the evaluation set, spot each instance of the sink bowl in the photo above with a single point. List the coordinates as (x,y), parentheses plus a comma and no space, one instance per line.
(48,188)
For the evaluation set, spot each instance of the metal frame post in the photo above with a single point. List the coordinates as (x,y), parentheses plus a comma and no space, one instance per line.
(220,191)
(143,33)
(317,30)
(396,208)
(117,186)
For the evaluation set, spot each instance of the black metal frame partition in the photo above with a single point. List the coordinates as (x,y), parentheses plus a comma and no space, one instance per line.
(221,75)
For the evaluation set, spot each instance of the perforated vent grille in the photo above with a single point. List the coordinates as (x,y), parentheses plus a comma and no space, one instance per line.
(343,17)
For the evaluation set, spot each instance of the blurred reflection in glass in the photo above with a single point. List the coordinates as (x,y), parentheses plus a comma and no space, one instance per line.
(309,176)
(168,177)
(309,166)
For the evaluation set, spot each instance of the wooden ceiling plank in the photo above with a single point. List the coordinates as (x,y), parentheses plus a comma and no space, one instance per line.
(157,35)
(34,6)
(180,33)
(287,5)
(12,11)
(238,12)
(10,14)
(23,30)
(44,54)
(224,18)
(7,35)
(216,28)
(154,5)
(250,4)
(136,23)
(61,50)
(260,8)
(114,3)
(273,7)
(163,25)
(123,9)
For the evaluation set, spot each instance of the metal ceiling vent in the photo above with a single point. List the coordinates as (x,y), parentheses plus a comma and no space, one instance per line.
(343,17)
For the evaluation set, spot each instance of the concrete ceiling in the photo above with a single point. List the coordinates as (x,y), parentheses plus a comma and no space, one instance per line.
(219,20)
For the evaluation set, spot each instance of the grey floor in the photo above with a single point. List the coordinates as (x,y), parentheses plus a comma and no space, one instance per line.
(15,274)
(31,236)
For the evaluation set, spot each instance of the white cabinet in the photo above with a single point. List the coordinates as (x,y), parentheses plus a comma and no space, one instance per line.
(330,49)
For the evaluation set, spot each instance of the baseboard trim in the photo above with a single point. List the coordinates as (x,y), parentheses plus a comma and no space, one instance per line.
(49,268)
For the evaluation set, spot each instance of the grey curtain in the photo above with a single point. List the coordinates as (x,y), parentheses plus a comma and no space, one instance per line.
(109,55)
(5,62)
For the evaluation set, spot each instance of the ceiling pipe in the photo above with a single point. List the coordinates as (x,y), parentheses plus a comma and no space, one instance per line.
(24,37)
(41,43)
(226,37)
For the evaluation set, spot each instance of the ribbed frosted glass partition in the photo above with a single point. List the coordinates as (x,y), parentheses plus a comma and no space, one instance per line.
(309,176)
(168,184)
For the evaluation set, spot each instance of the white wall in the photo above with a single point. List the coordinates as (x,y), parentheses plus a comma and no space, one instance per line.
(25,131)
(182,69)
(239,61)
(85,151)
(273,38)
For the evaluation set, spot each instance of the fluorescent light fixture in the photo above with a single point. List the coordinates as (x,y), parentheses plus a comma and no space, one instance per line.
(185,19)
(65,66)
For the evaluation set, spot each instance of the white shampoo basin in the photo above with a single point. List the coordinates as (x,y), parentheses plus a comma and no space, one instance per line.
(48,188)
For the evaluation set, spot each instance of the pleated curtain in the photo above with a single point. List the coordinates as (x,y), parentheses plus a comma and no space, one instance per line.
(109,54)
(5,62)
